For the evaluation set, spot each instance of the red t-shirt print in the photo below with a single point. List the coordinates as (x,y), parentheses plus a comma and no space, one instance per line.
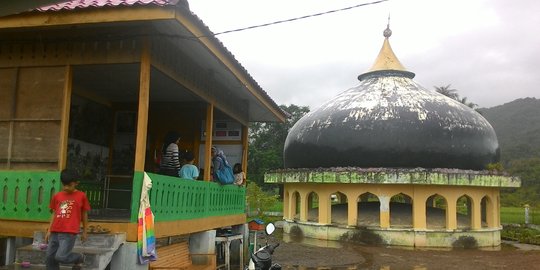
(68,208)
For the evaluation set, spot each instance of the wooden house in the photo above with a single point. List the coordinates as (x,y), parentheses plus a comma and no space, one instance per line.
(95,85)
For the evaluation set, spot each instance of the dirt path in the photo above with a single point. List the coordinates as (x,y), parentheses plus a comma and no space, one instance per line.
(293,255)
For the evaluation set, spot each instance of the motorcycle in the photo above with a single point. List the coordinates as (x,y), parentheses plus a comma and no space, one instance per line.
(262,258)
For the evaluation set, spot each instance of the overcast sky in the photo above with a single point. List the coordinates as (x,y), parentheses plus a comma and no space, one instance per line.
(488,50)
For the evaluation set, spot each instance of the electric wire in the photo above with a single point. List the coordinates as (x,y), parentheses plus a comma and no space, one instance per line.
(295,19)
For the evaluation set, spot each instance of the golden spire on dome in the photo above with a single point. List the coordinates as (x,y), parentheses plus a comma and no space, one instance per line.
(387,60)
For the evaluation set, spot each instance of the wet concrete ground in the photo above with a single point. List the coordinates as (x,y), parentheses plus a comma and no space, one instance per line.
(317,254)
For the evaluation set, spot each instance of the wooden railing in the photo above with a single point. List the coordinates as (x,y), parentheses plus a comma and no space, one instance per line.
(26,195)
(172,198)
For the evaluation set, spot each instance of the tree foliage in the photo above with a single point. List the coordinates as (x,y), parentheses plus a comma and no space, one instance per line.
(266,141)
(452,93)
(258,200)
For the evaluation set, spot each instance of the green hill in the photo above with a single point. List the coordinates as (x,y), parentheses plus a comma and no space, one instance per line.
(517,125)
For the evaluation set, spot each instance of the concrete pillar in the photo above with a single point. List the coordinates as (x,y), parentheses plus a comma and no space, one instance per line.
(286,198)
(202,243)
(490,215)
(451,214)
(352,214)
(239,258)
(125,258)
(292,204)
(419,213)
(476,216)
(11,248)
(325,209)
(304,207)
(384,215)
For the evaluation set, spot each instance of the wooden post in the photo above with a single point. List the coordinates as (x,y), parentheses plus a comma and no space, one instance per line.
(142,114)
(208,141)
(245,141)
(64,124)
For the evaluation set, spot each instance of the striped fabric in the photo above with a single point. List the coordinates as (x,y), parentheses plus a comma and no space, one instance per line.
(146,241)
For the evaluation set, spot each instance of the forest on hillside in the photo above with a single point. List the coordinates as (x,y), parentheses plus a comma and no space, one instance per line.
(517,125)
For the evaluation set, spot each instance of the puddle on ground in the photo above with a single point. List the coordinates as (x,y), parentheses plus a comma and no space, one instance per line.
(368,257)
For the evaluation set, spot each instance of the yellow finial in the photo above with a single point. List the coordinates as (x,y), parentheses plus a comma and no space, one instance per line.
(387,60)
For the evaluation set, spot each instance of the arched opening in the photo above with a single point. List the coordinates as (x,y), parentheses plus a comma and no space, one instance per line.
(369,210)
(313,207)
(464,212)
(401,211)
(436,212)
(339,208)
(486,212)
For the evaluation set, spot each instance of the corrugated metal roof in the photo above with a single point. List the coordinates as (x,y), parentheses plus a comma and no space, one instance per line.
(81,4)
(74,4)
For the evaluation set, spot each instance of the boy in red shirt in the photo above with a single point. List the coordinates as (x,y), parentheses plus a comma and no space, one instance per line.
(70,206)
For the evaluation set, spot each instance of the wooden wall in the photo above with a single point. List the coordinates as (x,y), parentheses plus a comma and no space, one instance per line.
(31,106)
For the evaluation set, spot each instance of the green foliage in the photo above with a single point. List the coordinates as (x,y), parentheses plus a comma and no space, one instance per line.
(521,234)
(529,172)
(516,215)
(517,125)
(452,93)
(259,200)
(266,141)
(495,167)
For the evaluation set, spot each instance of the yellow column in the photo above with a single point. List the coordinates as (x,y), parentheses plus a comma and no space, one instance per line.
(208,141)
(304,206)
(64,126)
(419,212)
(292,205)
(352,215)
(476,217)
(325,212)
(245,143)
(451,214)
(497,208)
(286,198)
(384,216)
(142,112)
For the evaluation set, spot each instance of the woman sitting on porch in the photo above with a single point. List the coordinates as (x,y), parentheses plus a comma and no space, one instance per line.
(222,171)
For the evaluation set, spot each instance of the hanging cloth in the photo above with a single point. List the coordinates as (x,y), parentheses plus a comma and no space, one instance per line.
(146,241)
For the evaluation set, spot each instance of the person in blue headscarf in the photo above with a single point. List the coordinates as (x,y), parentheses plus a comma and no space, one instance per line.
(222,171)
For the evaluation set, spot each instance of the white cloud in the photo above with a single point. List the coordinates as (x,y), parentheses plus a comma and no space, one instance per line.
(487,50)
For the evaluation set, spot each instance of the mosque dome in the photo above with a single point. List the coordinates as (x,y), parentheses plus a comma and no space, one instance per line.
(389,120)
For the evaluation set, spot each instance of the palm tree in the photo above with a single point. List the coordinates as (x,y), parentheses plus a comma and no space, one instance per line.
(445,90)
(452,93)
(471,105)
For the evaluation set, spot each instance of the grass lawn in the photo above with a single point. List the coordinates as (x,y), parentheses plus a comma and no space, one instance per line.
(517,215)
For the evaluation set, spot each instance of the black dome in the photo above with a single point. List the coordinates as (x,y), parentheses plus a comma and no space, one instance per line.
(391,121)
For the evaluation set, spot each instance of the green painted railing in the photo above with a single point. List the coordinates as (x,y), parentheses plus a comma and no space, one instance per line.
(172,198)
(26,195)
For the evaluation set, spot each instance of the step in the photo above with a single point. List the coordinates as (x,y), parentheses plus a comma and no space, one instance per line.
(95,257)
(17,266)
(98,249)
(109,240)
